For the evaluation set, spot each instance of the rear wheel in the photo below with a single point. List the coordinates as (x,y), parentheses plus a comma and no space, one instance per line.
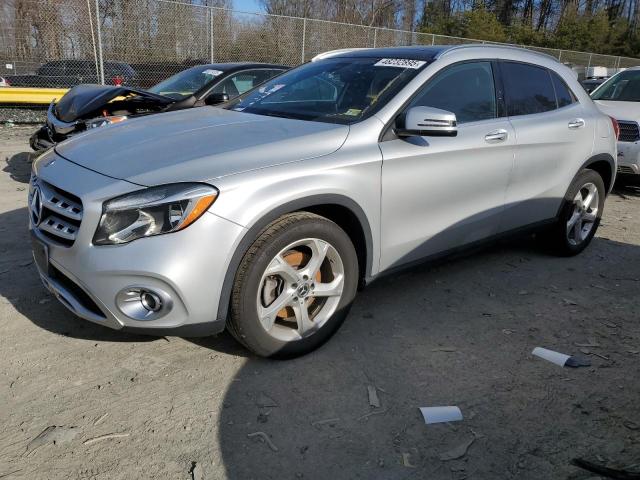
(580,215)
(294,286)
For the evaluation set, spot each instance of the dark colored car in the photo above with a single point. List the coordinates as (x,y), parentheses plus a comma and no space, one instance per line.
(590,84)
(68,73)
(89,106)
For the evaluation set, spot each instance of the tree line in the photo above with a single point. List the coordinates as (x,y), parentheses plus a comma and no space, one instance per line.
(139,31)
(599,26)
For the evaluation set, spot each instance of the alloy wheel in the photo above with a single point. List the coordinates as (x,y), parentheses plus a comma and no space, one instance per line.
(300,289)
(584,214)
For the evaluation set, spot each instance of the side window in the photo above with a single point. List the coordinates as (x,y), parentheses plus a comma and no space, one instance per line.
(466,89)
(528,89)
(242,82)
(563,94)
(227,86)
(273,73)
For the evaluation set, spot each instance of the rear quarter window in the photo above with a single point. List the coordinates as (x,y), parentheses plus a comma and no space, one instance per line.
(528,89)
(563,94)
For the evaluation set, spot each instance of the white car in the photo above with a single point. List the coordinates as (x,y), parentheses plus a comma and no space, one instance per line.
(619,97)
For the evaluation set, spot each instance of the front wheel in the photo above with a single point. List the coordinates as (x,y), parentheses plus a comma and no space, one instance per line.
(580,215)
(294,286)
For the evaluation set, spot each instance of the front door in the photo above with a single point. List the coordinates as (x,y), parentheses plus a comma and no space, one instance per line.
(439,193)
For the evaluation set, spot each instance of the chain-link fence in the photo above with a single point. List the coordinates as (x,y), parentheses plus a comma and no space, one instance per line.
(61,43)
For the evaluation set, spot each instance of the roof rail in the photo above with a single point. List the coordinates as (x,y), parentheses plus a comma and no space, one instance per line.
(332,53)
(495,45)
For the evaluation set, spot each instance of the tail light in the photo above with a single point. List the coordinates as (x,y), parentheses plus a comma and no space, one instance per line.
(616,127)
(117,80)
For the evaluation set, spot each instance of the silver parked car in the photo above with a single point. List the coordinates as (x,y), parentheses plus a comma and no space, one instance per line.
(265,216)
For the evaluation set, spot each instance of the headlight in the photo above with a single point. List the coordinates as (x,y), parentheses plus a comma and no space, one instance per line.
(153,211)
(102,121)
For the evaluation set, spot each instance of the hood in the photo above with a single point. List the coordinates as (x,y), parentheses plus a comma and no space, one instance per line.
(83,100)
(620,110)
(198,144)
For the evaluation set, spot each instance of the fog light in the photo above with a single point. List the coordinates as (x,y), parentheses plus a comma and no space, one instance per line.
(151,301)
(142,303)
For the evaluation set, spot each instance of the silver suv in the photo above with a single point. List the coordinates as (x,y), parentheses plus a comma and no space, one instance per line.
(265,216)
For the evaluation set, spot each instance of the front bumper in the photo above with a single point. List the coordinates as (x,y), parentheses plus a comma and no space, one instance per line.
(629,158)
(53,131)
(188,266)
(41,139)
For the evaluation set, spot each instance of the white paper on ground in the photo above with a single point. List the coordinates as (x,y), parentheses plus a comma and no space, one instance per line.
(551,356)
(440,414)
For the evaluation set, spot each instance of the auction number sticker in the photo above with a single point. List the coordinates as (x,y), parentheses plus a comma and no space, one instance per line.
(400,62)
(213,73)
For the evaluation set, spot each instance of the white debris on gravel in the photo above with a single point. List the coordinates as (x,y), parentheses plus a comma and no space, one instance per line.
(441,414)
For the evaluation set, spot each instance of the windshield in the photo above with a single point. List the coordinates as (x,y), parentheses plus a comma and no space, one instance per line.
(623,87)
(186,83)
(338,90)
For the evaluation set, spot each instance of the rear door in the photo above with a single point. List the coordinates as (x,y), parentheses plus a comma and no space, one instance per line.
(442,192)
(553,135)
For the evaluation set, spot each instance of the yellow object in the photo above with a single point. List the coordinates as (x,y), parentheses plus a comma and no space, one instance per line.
(202,206)
(30,96)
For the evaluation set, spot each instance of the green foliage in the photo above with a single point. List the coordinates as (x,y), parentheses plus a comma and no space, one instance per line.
(576,30)
(483,25)
(522,33)
(478,24)
(580,32)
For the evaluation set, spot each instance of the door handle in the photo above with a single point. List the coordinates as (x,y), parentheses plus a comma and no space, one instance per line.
(576,123)
(496,136)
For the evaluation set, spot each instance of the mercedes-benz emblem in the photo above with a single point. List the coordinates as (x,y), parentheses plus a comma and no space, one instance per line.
(36,207)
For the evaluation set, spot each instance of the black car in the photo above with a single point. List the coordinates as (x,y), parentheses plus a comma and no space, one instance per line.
(90,106)
(68,73)
(590,84)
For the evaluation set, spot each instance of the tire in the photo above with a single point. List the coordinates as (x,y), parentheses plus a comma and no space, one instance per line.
(277,281)
(566,238)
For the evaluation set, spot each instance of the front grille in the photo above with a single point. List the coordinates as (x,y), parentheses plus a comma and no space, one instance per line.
(55,213)
(625,169)
(629,131)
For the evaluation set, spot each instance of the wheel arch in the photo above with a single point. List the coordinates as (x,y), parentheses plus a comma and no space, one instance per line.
(338,208)
(605,166)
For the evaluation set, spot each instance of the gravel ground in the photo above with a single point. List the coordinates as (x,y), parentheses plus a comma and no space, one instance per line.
(19,115)
(83,402)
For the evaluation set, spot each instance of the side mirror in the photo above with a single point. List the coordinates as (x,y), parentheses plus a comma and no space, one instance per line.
(428,122)
(216,98)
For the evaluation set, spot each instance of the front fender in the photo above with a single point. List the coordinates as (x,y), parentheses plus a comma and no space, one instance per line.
(296,205)
(257,199)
